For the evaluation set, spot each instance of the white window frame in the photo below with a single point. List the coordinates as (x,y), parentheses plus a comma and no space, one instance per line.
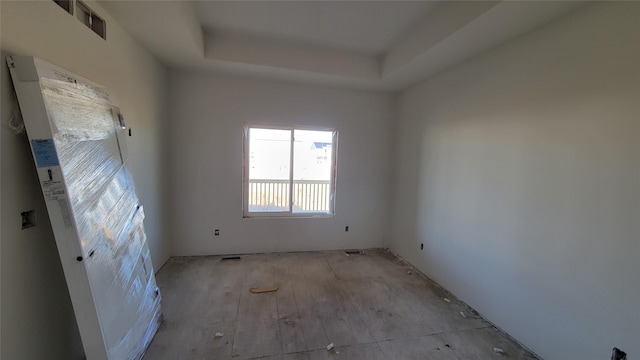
(290,213)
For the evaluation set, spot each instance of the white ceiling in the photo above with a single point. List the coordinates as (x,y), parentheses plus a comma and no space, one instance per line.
(357,26)
(375,45)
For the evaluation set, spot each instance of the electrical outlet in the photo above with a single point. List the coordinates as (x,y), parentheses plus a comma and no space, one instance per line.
(346,229)
(421,246)
(28,219)
(216,232)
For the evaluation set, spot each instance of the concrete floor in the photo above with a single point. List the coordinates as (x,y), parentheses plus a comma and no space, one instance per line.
(369,306)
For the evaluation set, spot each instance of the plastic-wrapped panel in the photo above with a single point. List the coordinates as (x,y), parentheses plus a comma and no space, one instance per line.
(78,146)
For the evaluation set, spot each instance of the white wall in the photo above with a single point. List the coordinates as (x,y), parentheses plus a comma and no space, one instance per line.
(37,318)
(519,170)
(208,115)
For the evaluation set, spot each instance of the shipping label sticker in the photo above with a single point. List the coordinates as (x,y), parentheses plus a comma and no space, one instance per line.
(53,187)
(44,151)
(53,190)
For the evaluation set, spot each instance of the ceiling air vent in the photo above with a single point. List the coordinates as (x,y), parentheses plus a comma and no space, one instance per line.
(67,5)
(91,19)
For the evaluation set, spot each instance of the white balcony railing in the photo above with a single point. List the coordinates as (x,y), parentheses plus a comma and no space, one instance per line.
(273,195)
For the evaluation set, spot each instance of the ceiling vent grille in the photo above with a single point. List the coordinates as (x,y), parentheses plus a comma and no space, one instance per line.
(91,19)
(67,5)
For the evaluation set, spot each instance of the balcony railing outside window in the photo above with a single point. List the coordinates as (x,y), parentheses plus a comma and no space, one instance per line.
(273,195)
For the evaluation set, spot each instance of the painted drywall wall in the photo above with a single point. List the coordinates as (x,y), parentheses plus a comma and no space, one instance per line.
(37,317)
(519,170)
(208,114)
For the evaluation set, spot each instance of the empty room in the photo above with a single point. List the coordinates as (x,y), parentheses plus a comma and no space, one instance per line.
(304,180)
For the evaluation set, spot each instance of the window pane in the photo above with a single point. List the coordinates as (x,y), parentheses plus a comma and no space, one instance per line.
(312,161)
(269,166)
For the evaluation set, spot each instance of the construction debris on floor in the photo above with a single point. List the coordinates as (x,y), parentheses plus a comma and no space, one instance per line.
(364,307)
(263,289)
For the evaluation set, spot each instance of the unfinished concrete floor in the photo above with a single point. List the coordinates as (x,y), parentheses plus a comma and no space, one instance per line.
(369,306)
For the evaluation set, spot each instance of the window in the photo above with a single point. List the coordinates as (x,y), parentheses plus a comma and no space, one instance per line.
(289,171)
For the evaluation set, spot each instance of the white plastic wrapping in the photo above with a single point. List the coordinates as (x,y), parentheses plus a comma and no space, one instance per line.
(106,213)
